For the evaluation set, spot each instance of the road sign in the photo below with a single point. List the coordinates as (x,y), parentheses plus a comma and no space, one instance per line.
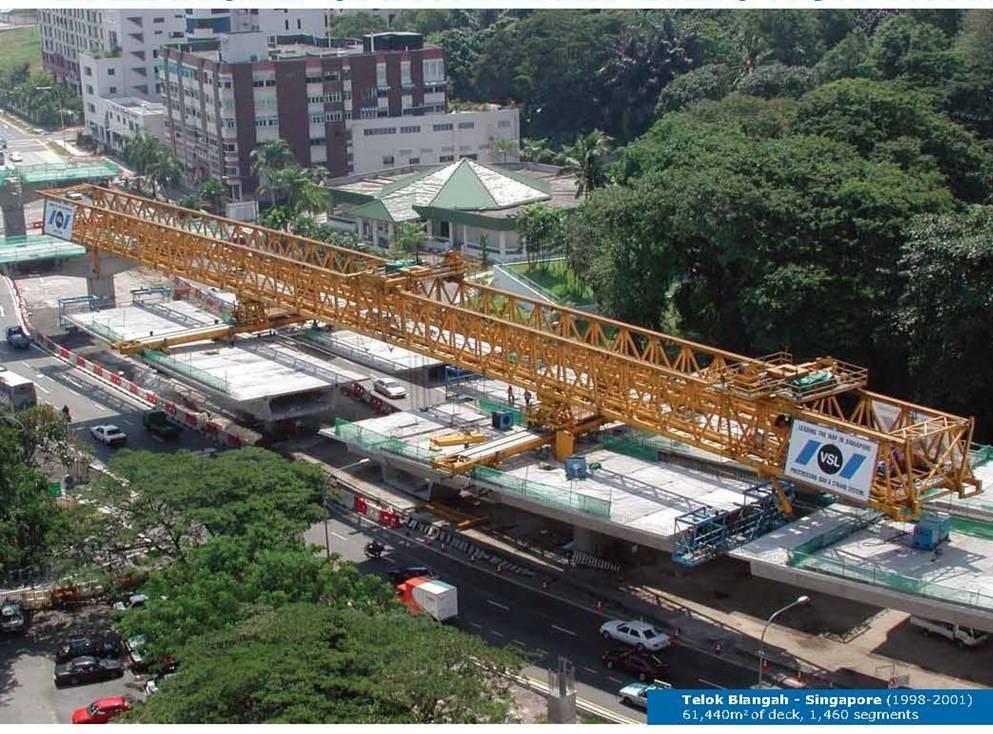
(833,460)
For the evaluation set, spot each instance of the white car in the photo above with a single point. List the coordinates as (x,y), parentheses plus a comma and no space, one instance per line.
(16,157)
(642,635)
(74,196)
(108,434)
(390,388)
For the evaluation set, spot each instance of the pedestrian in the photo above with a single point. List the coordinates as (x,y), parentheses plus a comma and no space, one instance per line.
(510,394)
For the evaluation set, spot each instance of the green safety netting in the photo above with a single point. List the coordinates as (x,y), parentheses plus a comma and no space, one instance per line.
(28,248)
(62,173)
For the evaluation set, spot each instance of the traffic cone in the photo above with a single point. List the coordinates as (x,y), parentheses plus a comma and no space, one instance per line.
(800,676)
(717,648)
(599,607)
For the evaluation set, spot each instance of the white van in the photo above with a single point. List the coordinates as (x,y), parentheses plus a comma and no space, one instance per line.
(957,633)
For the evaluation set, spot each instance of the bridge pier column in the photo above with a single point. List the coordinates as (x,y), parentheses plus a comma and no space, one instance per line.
(590,541)
(100,279)
(12,207)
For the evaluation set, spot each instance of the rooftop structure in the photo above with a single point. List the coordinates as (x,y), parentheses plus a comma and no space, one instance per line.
(462,202)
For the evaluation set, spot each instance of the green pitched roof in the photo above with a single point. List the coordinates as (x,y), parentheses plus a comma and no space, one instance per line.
(464,185)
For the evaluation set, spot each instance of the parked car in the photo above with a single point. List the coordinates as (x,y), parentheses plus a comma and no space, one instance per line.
(107,646)
(134,647)
(74,196)
(411,572)
(87,669)
(153,684)
(12,618)
(130,602)
(390,388)
(642,635)
(959,634)
(16,157)
(109,434)
(647,666)
(100,711)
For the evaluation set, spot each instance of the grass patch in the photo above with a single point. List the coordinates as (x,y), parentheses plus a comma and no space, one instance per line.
(21,45)
(558,280)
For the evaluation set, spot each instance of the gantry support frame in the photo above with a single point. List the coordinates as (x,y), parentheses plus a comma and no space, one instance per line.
(734,406)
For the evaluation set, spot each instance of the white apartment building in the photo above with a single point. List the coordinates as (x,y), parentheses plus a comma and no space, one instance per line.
(206,23)
(436,138)
(130,37)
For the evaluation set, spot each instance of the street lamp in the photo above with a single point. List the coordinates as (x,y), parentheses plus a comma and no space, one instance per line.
(800,601)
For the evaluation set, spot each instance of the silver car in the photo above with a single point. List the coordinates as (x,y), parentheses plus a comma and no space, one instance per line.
(390,388)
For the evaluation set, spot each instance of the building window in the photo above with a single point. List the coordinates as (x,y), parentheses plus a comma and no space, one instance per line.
(414,161)
(317,118)
(410,129)
(466,125)
(89,89)
(112,90)
(318,142)
(369,93)
(111,71)
(331,76)
(90,106)
(334,97)
(379,131)
(503,123)
(88,71)
(333,117)
(443,126)
(387,160)
(446,158)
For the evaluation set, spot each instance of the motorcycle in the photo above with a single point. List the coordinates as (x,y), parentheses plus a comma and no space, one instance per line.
(374,549)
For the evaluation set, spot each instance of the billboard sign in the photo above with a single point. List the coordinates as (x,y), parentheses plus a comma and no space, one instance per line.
(58,219)
(830,459)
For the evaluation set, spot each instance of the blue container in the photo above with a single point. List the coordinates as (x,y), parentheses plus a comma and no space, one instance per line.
(576,468)
(502,420)
(931,530)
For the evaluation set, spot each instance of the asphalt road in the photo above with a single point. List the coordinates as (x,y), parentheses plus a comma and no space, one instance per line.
(90,403)
(540,626)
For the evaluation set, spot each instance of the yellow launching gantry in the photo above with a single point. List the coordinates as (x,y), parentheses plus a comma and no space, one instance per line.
(812,422)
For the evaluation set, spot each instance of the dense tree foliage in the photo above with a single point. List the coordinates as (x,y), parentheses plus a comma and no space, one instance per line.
(264,629)
(37,98)
(944,310)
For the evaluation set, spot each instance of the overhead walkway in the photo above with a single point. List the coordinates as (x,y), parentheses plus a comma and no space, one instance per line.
(62,174)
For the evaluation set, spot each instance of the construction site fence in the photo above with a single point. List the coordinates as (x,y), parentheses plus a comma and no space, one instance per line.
(366,438)
(980,455)
(838,533)
(867,572)
(104,331)
(187,370)
(543,493)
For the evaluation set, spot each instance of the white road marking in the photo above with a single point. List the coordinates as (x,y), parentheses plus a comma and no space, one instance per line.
(41,388)
(2,313)
(589,670)
(540,651)
(475,624)
(518,642)
(339,537)
(616,680)
(496,633)
(563,629)
(498,605)
(708,683)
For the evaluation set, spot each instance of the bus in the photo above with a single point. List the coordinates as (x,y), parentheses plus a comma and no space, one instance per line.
(16,392)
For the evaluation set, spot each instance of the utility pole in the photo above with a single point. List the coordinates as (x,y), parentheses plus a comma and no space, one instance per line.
(562,693)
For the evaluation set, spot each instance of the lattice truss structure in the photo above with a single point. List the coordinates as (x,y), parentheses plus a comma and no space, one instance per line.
(729,404)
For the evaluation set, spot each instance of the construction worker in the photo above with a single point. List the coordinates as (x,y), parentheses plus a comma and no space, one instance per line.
(510,394)
(527,399)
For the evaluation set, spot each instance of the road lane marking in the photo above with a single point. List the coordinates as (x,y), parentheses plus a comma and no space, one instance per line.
(616,680)
(496,633)
(476,624)
(498,605)
(709,683)
(339,537)
(589,670)
(540,651)
(2,311)
(518,642)
(563,629)
(41,388)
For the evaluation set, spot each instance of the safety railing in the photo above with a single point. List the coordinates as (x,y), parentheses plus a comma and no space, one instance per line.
(187,370)
(489,406)
(839,532)
(104,331)
(543,493)
(366,438)
(870,573)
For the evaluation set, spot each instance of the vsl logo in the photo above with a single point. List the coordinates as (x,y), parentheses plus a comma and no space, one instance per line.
(830,460)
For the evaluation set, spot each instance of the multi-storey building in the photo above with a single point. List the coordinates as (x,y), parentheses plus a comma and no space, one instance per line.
(221,105)
(208,23)
(130,37)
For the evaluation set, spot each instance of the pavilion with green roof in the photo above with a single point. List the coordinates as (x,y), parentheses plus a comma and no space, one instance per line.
(463,203)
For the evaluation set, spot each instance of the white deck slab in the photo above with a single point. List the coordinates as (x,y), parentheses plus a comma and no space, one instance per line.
(367,350)
(132,322)
(644,496)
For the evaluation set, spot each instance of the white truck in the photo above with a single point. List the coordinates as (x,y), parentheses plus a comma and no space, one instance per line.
(423,595)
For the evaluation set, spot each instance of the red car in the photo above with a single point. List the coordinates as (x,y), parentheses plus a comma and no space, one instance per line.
(100,711)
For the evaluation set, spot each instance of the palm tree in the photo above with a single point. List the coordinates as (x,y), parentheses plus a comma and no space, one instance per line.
(504,147)
(537,150)
(166,170)
(278,217)
(266,159)
(213,192)
(586,159)
(408,238)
